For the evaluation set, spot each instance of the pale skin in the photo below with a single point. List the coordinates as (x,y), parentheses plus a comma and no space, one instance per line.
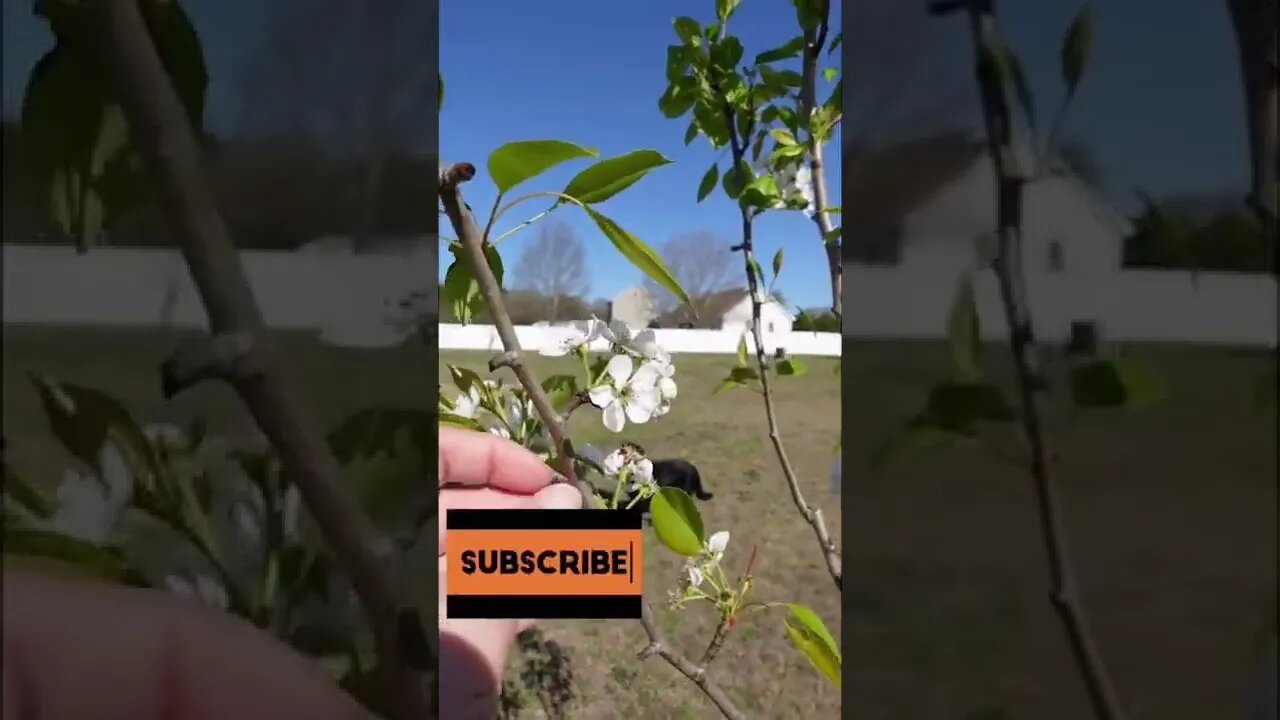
(75,650)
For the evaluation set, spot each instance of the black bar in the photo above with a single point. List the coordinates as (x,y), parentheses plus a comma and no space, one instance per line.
(544,607)
(469,519)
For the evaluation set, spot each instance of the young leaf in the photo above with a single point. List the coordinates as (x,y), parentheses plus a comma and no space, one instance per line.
(782,136)
(688,30)
(440,93)
(611,176)
(640,255)
(104,562)
(513,163)
(742,350)
(1115,382)
(964,332)
(736,180)
(1021,86)
(792,48)
(813,639)
(1076,46)
(84,420)
(458,421)
(677,522)
(465,378)
(725,8)
(388,454)
(708,182)
(559,388)
(777,263)
(829,74)
(809,13)
(762,193)
(791,366)
(690,133)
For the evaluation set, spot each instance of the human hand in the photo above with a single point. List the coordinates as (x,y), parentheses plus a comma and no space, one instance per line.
(494,474)
(75,649)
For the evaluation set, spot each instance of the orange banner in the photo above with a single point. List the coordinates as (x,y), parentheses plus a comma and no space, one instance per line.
(545,562)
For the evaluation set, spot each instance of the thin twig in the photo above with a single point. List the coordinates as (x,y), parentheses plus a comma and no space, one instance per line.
(811,515)
(473,240)
(814,40)
(164,138)
(1008,267)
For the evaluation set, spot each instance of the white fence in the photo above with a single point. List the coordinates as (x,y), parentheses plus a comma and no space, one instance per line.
(485,337)
(352,300)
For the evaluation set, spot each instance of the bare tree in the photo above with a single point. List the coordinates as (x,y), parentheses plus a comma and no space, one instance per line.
(348,76)
(703,264)
(553,265)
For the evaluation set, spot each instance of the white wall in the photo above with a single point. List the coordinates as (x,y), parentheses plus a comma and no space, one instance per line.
(351,300)
(485,337)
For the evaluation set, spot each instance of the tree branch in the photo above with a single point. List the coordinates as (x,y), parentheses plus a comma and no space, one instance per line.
(811,515)
(1013,294)
(473,240)
(164,138)
(814,40)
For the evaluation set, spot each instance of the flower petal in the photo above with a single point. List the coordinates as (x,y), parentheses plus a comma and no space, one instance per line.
(602,396)
(619,369)
(614,418)
(718,542)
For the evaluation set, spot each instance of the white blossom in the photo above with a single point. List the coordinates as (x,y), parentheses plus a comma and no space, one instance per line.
(639,469)
(694,575)
(794,182)
(205,589)
(575,337)
(89,507)
(468,403)
(716,544)
(623,395)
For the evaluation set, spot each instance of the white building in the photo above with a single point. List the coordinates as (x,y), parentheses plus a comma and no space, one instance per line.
(774,317)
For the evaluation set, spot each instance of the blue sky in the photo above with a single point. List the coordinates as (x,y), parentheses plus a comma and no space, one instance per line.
(591,73)
(1160,105)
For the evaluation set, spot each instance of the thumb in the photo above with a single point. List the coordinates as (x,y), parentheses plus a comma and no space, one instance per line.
(473,652)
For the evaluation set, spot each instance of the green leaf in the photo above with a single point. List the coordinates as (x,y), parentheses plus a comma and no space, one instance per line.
(742,351)
(458,421)
(679,97)
(611,176)
(811,636)
(1076,46)
(76,131)
(1008,69)
(964,332)
(690,133)
(640,255)
(777,263)
(708,182)
(465,378)
(440,93)
(780,78)
(388,456)
(918,433)
(25,494)
(736,180)
(84,420)
(460,292)
(725,8)
(101,561)
(835,42)
(677,522)
(830,74)
(809,13)
(1115,382)
(791,366)
(726,53)
(559,388)
(513,163)
(782,136)
(688,30)
(755,269)
(792,48)
(762,193)
(959,405)
(678,59)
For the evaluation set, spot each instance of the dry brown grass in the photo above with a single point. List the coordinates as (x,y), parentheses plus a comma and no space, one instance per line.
(1173,511)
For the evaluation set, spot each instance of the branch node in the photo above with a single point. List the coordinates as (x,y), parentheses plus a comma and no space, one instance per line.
(456,174)
(509,359)
(225,356)
(649,651)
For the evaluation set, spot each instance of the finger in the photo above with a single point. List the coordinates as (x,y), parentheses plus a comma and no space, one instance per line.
(74,650)
(480,459)
(550,497)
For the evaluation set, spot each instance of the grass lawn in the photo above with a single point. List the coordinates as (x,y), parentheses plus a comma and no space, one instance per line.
(1172,509)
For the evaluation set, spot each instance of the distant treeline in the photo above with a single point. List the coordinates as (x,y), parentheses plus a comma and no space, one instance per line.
(275,194)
